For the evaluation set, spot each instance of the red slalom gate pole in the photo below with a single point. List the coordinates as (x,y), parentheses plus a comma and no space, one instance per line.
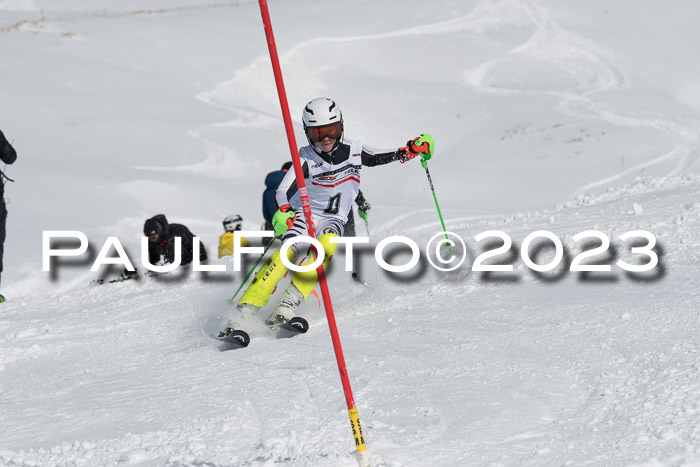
(363,457)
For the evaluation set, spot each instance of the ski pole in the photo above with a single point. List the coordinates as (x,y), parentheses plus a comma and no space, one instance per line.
(424,163)
(364,218)
(267,248)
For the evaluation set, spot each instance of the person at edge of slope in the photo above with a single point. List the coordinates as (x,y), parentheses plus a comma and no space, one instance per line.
(161,241)
(331,168)
(269,205)
(8,155)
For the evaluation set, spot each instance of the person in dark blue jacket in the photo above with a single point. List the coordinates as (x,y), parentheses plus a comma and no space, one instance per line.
(272,181)
(8,155)
(269,205)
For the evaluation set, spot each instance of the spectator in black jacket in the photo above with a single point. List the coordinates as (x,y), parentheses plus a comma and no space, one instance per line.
(161,241)
(8,155)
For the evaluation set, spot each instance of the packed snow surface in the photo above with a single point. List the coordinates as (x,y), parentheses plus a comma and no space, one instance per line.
(556,116)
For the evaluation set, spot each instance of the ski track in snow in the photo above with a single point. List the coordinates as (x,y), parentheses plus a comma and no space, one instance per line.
(593,71)
(586,69)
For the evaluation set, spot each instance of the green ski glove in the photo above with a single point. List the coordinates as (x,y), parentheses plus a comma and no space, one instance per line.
(283,220)
(422,146)
(425,146)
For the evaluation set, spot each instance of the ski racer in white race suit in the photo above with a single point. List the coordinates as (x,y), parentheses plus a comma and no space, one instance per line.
(331,166)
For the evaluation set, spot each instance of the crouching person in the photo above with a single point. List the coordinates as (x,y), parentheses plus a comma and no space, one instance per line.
(161,241)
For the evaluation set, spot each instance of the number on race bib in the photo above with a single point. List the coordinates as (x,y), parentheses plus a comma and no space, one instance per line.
(333,205)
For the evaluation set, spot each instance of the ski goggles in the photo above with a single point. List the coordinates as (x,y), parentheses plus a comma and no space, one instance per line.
(232,226)
(232,223)
(319,133)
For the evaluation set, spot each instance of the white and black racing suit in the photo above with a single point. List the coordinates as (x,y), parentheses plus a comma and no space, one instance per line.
(332,182)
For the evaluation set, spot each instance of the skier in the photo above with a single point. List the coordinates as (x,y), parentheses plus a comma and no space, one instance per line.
(331,167)
(231,224)
(161,241)
(8,155)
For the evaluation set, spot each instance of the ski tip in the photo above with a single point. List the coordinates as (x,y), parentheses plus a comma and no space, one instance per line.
(237,339)
(299,324)
(296,325)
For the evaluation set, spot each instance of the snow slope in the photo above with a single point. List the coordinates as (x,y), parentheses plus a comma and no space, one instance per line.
(558,116)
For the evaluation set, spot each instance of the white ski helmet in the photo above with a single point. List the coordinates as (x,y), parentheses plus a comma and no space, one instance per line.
(233,222)
(321,112)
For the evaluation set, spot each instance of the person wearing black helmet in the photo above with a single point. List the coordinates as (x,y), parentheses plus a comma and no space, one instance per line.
(161,241)
(331,166)
(231,224)
(8,155)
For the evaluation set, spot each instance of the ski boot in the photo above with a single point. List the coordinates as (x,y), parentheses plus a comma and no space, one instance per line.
(287,306)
